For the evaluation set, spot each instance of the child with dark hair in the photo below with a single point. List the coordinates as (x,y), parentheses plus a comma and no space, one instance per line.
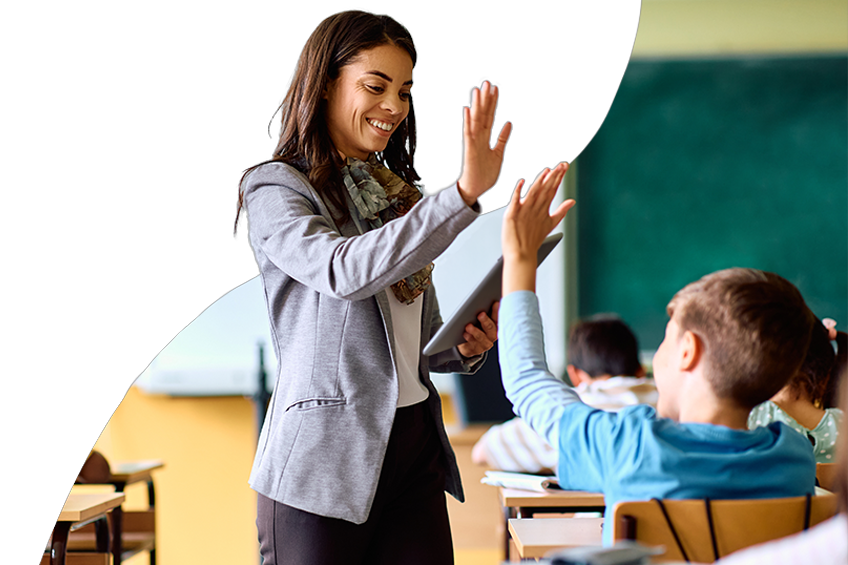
(824,544)
(801,403)
(604,367)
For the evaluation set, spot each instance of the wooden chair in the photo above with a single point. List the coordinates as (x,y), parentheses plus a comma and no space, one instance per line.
(704,530)
(826,475)
(132,531)
(81,558)
(80,511)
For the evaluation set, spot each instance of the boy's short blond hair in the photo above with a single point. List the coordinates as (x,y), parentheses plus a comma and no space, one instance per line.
(754,326)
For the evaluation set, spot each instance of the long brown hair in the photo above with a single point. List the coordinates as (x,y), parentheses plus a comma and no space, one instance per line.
(304,140)
(818,376)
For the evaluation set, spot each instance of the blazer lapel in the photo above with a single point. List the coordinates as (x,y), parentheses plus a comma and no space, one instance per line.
(349,229)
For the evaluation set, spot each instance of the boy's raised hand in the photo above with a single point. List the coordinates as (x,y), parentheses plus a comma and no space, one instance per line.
(527,222)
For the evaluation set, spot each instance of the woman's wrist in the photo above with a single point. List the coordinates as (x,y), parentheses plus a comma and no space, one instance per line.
(470,201)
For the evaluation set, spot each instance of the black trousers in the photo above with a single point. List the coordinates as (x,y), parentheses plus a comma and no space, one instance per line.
(408,522)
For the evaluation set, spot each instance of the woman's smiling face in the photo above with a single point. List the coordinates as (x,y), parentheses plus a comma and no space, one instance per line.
(368,101)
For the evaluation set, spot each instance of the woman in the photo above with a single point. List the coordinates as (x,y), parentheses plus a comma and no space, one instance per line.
(353,460)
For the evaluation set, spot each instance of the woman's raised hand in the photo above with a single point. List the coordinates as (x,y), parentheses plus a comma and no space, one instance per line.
(481,163)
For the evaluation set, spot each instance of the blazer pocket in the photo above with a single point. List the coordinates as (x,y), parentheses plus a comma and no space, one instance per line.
(312,403)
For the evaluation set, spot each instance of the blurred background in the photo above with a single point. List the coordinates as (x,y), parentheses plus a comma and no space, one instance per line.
(725,146)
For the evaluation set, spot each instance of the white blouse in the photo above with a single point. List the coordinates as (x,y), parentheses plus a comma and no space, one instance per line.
(406,326)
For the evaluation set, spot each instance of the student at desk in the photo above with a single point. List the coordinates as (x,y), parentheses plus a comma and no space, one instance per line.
(801,404)
(735,337)
(824,544)
(602,350)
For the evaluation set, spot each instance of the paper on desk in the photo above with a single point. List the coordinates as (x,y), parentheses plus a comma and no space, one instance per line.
(523,481)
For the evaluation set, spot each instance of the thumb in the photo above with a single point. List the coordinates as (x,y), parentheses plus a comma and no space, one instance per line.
(562,210)
(515,201)
(503,137)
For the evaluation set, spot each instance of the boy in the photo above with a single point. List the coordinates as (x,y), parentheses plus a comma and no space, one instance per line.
(604,366)
(735,337)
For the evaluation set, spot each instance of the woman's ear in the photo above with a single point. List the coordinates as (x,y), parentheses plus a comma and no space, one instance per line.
(327,88)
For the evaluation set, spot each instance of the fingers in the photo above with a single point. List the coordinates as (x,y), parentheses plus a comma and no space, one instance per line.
(475,103)
(533,198)
(503,137)
(490,328)
(475,107)
(554,181)
(496,307)
(545,187)
(515,201)
(561,211)
(484,100)
(490,102)
(480,340)
(558,173)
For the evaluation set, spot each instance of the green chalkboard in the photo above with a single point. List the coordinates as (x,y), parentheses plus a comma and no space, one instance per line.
(702,165)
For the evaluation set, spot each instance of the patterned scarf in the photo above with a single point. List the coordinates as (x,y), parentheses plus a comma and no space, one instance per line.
(380,196)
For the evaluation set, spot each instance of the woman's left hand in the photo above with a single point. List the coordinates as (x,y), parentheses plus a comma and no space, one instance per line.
(481,164)
(477,340)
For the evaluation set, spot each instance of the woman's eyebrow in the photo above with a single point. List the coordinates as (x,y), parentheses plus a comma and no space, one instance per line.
(386,77)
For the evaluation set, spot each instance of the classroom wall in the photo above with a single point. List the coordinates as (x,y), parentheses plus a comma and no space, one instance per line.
(682,28)
(714,35)
(205,509)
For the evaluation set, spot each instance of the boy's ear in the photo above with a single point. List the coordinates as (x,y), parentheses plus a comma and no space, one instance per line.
(690,351)
(573,374)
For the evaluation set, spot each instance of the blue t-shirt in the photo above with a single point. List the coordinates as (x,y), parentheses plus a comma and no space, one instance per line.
(633,454)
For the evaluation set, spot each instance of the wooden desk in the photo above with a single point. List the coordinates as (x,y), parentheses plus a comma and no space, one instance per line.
(79,510)
(524,504)
(535,538)
(128,472)
(132,531)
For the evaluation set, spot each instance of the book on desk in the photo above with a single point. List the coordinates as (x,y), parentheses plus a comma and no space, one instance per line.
(522,481)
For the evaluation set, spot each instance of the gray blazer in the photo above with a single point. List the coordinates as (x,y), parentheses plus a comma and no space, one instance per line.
(322,446)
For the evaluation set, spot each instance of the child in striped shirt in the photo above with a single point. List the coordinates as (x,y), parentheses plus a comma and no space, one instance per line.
(604,367)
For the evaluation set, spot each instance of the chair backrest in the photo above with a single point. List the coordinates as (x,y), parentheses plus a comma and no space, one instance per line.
(95,470)
(736,523)
(826,475)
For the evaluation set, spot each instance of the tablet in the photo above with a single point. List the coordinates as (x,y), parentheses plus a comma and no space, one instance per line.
(487,292)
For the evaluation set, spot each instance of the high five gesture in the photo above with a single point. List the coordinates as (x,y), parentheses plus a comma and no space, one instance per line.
(481,163)
(526,224)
